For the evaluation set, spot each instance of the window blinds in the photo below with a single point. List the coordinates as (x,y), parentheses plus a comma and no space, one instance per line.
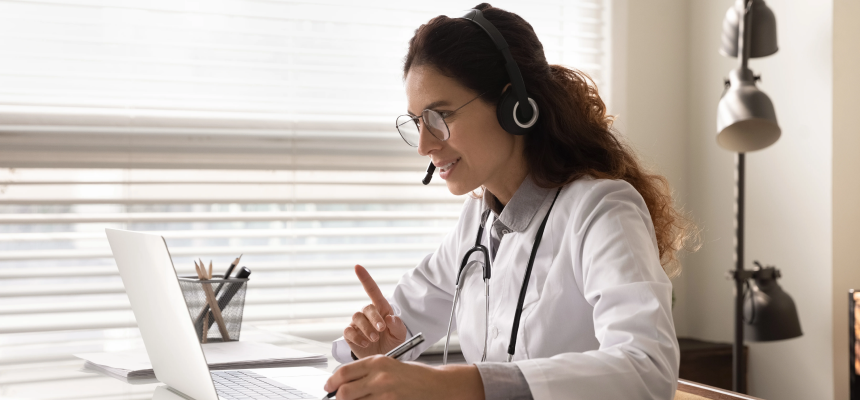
(256,127)
(301,232)
(228,83)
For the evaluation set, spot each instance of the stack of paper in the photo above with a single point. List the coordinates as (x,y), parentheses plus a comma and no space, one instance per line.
(230,355)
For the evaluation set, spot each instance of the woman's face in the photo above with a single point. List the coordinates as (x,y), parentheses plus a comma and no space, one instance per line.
(481,151)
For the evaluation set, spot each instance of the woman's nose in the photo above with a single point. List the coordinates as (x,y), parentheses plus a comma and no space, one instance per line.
(427,143)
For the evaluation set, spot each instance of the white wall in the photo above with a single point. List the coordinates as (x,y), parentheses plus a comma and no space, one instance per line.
(801,213)
(667,78)
(789,186)
(649,96)
(846,180)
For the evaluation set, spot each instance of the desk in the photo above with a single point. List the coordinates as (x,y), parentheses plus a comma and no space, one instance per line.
(66,380)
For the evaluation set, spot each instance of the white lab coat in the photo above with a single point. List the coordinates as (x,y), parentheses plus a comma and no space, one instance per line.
(597,318)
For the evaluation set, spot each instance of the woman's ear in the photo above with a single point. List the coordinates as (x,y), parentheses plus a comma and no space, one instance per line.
(506,87)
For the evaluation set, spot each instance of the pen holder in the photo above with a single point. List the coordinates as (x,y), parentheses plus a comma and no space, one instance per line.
(230,297)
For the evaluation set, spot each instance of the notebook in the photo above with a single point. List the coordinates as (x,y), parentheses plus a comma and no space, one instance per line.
(134,364)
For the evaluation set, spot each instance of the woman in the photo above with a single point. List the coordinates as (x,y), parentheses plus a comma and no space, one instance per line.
(596,319)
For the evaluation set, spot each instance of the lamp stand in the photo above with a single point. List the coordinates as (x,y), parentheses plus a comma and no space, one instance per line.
(740,276)
(771,319)
(738,365)
(746,121)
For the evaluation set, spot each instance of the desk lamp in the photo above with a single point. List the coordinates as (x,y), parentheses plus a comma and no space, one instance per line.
(746,121)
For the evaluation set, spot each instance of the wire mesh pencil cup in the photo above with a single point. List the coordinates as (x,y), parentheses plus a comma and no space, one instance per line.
(230,297)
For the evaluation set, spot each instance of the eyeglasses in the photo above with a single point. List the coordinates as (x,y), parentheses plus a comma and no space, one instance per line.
(410,128)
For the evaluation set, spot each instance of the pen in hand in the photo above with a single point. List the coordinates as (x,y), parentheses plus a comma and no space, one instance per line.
(398,351)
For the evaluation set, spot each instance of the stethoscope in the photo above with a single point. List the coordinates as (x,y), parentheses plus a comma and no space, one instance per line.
(487,269)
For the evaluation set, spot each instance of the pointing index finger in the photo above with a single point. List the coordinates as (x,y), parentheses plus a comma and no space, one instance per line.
(372,290)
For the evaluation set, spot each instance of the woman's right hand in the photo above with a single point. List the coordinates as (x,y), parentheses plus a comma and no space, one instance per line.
(375,329)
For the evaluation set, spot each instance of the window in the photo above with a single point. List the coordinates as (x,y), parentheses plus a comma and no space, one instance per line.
(256,127)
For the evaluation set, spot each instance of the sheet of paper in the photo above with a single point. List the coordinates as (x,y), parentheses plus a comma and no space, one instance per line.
(234,354)
(132,360)
(244,352)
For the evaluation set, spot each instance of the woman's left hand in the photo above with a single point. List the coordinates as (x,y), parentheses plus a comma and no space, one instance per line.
(380,377)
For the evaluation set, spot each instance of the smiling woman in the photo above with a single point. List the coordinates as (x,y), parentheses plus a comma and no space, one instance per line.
(478,151)
(568,219)
(573,136)
(228,126)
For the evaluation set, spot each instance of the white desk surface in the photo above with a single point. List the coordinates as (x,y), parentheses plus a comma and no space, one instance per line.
(67,380)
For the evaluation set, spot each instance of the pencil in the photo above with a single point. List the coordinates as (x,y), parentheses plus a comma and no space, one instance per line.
(213,303)
(206,328)
(205,310)
(232,267)
(205,336)
(197,270)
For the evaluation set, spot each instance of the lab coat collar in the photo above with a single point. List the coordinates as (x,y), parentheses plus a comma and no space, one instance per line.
(525,203)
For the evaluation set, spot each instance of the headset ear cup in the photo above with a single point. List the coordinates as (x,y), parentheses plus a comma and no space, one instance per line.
(505,114)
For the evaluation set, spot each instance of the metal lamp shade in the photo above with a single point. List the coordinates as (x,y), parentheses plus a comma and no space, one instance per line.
(763,36)
(775,316)
(746,120)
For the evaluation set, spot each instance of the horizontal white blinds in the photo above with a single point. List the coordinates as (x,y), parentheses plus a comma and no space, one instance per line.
(301,233)
(261,127)
(230,83)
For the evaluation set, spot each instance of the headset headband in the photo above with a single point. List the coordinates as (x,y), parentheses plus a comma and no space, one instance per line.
(513,70)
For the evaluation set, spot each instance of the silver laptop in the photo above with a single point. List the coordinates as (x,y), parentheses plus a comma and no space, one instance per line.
(171,343)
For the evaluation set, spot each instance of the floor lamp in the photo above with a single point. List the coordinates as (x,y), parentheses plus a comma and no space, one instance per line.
(746,121)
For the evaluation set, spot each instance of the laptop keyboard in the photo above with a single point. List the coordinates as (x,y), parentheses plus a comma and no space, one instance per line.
(246,385)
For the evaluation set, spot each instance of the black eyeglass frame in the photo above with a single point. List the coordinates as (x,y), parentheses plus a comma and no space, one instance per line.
(442,116)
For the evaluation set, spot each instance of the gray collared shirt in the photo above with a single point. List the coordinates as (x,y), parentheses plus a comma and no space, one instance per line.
(517,214)
(505,380)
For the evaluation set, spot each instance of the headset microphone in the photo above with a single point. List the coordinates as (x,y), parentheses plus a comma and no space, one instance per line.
(430,169)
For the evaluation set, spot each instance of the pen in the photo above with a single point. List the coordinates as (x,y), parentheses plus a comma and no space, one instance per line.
(231,291)
(396,353)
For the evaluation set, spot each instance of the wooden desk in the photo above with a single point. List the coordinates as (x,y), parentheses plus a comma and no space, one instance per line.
(696,391)
(66,380)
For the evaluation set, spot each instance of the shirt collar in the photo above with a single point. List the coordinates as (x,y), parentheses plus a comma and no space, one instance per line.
(525,203)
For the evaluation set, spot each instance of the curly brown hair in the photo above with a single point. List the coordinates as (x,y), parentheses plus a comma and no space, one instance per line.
(573,137)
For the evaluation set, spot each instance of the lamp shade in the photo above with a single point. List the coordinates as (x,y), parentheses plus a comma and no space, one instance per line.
(763,35)
(746,120)
(772,313)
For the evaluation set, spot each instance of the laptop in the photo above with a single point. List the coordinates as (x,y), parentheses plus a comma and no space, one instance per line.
(168,332)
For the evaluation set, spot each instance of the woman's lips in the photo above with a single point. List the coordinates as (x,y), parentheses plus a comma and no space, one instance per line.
(445,170)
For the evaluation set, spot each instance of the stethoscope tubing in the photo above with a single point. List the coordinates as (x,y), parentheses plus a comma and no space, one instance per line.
(453,309)
(487,271)
(522,298)
(450,322)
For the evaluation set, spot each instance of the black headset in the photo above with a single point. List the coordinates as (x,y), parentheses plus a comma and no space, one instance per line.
(509,110)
